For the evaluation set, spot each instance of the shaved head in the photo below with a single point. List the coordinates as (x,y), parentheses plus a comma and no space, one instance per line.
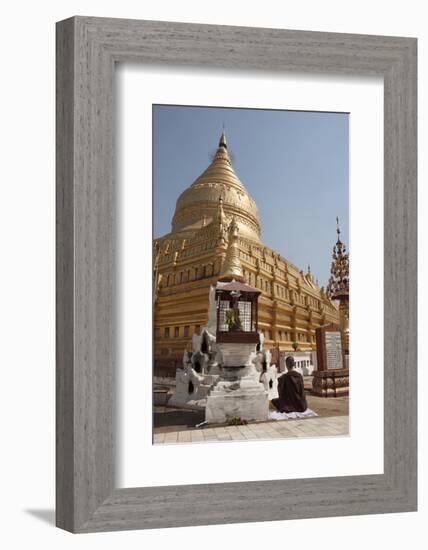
(289,361)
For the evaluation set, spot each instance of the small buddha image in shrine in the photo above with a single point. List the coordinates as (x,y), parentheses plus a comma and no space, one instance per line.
(237,313)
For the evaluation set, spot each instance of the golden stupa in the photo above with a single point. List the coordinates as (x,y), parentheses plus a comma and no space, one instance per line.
(198,204)
(192,257)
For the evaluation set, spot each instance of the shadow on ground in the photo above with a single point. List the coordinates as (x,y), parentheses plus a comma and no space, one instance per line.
(43,514)
(164,417)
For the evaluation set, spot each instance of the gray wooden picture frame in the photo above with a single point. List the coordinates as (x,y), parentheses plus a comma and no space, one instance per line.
(87,50)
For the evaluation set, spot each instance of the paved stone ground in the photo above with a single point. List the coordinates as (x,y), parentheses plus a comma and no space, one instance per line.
(178,425)
(304,427)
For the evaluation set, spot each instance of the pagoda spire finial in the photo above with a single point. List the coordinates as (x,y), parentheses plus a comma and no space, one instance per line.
(222,142)
(338,231)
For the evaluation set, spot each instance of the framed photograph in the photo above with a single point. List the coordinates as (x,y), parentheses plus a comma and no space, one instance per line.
(236,274)
(220,351)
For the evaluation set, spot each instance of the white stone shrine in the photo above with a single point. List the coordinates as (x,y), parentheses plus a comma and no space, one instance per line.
(242,391)
(202,366)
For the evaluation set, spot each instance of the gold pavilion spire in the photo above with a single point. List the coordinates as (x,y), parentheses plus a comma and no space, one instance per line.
(232,268)
(221,218)
(338,284)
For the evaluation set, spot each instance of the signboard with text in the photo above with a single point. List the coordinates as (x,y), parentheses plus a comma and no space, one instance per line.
(329,348)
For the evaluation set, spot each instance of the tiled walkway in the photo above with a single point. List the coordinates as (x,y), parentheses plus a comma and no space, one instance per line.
(306,427)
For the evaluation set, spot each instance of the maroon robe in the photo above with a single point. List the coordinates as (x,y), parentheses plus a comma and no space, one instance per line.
(291,393)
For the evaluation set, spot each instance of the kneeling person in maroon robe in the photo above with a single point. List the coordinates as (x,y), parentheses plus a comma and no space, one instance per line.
(291,390)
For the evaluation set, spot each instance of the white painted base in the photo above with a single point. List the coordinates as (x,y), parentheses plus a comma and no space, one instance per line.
(200,387)
(236,355)
(243,397)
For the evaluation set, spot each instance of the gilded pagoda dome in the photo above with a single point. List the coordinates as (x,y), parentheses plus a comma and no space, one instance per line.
(198,204)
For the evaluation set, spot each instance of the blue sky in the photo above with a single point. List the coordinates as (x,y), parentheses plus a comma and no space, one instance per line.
(294,164)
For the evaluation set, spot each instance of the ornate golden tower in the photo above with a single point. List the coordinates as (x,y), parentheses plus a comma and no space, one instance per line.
(232,267)
(215,233)
(338,285)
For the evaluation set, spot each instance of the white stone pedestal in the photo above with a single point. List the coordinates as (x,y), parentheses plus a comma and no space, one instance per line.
(235,355)
(237,394)
(191,388)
